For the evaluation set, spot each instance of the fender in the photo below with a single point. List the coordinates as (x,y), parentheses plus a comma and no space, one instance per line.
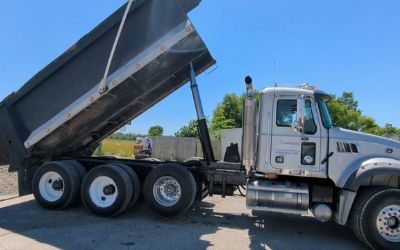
(373,172)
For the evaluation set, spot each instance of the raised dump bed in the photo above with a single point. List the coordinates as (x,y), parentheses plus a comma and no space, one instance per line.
(60,111)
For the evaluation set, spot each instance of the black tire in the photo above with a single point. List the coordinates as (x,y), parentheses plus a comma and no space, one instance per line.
(187,187)
(135,183)
(81,172)
(364,216)
(123,189)
(359,203)
(81,169)
(30,173)
(69,184)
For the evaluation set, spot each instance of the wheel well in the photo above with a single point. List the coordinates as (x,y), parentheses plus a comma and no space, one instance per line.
(381,180)
(349,196)
(387,180)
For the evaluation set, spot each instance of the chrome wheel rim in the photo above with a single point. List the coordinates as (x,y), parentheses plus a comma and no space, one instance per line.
(167,191)
(51,186)
(103,191)
(388,223)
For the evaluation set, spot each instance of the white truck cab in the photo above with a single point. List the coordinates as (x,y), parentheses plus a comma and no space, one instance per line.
(283,147)
(302,162)
(320,151)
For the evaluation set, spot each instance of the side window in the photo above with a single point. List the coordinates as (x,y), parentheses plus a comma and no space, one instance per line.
(287,112)
(309,123)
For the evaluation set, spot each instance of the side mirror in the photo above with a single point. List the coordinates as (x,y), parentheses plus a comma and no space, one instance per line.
(298,119)
(296,126)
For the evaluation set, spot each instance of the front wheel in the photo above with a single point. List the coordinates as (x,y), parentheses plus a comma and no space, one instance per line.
(376,218)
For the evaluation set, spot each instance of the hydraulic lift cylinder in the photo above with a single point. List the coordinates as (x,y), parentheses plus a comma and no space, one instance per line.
(201,118)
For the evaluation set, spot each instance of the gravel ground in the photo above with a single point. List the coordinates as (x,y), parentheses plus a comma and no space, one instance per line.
(8,183)
(215,223)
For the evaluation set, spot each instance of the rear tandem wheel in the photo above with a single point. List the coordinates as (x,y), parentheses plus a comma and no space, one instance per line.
(169,189)
(110,189)
(56,185)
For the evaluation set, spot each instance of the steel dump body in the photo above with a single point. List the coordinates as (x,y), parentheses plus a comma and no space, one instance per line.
(60,110)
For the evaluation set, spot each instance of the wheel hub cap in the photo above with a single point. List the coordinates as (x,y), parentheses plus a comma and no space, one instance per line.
(51,186)
(58,185)
(109,190)
(167,191)
(388,223)
(392,222)
(103,191)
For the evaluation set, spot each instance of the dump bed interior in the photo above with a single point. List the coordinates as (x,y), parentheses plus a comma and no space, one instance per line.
(60,110)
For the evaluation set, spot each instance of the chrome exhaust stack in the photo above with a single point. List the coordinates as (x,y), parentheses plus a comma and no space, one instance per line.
(249,126)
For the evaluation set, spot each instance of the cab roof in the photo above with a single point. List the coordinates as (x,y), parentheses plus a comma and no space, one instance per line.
(303,89)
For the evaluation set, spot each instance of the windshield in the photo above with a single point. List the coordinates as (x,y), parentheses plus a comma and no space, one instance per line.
(326,118)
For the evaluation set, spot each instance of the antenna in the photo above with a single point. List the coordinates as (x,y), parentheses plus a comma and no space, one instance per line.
(275,73)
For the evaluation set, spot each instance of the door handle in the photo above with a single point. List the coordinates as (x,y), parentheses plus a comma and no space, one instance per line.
(327,158)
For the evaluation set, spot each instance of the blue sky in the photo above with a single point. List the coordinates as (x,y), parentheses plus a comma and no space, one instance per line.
(338,45)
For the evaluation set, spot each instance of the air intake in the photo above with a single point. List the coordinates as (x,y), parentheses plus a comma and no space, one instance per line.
(345,147)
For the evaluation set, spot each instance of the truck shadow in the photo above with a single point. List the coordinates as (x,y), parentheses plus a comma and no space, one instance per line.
(27,226)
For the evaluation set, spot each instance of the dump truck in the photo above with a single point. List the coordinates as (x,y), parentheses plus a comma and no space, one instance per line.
(293,160)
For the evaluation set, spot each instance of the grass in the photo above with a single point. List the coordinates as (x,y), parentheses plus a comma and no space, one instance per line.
(121,148)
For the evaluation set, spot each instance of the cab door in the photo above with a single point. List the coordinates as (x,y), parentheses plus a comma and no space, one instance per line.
(293,153)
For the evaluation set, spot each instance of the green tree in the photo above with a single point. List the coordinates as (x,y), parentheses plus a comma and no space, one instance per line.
(156,131)
(346,114)
(189,130)
(389,129)
(349,101)
(229,113)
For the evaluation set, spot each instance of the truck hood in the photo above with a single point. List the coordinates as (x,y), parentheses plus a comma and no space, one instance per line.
(352,149)
(349,135)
